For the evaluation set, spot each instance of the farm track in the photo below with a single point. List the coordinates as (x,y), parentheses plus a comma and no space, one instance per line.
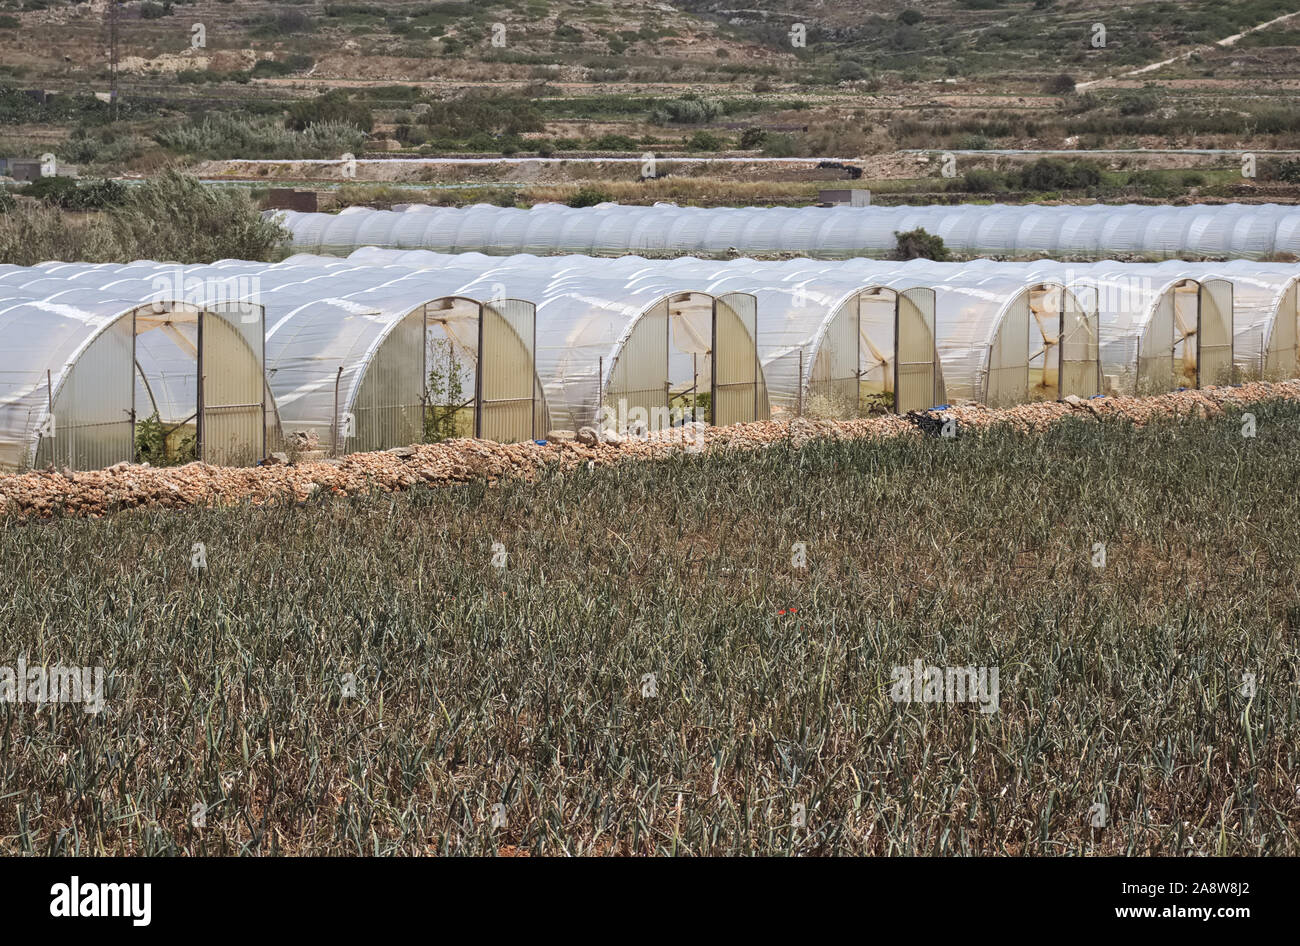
(126,486)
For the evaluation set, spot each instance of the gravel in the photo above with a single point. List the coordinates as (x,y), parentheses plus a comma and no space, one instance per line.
(126,486)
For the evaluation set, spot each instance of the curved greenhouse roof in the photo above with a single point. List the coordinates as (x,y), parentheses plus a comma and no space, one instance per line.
(1259,320)
(81,363)
(1085,232)
(799,299)
(347,347)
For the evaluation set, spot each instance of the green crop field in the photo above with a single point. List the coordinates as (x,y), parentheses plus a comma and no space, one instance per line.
(688,656)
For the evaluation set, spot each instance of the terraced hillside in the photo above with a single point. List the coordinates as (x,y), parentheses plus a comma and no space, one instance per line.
(876,81)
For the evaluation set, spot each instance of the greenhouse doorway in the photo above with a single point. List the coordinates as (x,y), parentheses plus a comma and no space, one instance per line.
(688,357)
(479,372)
(1068,363)
(1189,337)
(737,393)
(878,353)
(167,383)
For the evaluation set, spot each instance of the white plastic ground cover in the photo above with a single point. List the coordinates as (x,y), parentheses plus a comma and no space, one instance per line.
(1071,232)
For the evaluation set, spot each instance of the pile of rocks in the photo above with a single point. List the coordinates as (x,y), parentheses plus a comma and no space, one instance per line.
(126,486)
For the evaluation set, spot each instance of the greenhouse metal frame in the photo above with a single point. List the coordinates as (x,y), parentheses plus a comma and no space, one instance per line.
(1162,326)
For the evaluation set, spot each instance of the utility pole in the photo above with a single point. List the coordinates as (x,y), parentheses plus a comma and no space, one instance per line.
(112,58)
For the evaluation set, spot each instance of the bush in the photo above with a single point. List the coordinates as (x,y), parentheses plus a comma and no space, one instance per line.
(1289,171)
(589,197)
(1048,174)
(334,107)
(482,113)
(69,194)
(780,146)
(981,181)
(171,217)
(1061,85)
(688,110)
(224,135)
(705,141)
(919,244)
(612,142)
(1139,103)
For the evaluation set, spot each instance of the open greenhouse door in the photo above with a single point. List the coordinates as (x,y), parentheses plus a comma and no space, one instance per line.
(232,389)
(92,424)
(1280,356)
(1214,333)
(639,377)
(734,396)
(1155,364)
(506,383)
(914,358)
(1080,368)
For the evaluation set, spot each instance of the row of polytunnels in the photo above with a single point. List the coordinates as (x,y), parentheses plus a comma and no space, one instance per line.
(1095,232)
(231,361)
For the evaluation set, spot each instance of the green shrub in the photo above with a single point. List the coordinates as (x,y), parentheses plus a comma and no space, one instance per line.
(1047,174)
(688,110)
(223,135)
(482,113)
(589,197)
(705,141)
(919,244)
(1289,171)
(982,181)
(333,107)
(71,194)
(169,217)
(780,145)
(612,142)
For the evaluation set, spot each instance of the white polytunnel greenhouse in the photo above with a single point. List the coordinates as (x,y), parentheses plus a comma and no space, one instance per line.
(83,363)
(1063,232)
(917,333)
(620,342)
(1162,326)
(639,344)
(358,359)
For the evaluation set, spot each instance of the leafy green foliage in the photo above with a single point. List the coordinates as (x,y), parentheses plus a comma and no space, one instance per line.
(169,217)
(335,107)
(446,392)
(919,244)
(153,444)
(72,194)
(523,686)
(228,135)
